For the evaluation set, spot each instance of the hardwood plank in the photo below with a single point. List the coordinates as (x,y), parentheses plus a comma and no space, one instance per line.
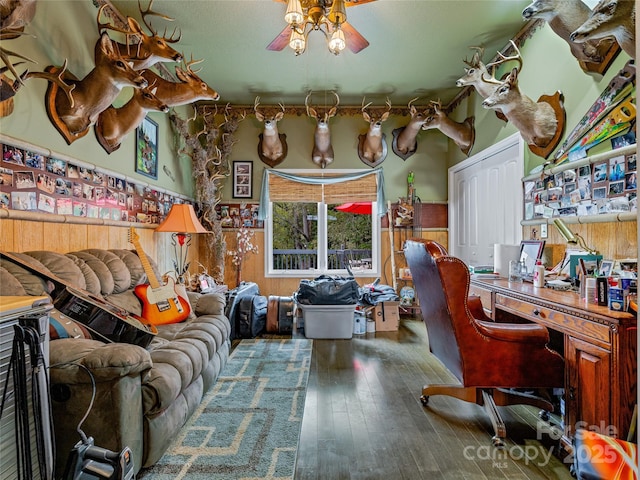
(364,419)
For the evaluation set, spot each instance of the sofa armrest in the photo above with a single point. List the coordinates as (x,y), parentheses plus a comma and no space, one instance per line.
(105,360)
(207,303)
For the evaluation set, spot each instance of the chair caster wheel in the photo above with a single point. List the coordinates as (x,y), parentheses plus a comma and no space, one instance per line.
(544,415)
(425,400)
(497,442)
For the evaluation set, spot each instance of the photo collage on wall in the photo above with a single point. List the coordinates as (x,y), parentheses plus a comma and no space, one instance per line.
(609,186)
(238,215)
(31,181)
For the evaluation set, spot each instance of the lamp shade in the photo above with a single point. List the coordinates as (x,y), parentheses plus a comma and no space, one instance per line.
(181,218)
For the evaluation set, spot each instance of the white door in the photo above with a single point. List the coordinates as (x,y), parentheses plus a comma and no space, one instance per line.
(485,201)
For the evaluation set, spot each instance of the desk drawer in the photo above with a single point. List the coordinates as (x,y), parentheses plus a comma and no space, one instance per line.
(564,322)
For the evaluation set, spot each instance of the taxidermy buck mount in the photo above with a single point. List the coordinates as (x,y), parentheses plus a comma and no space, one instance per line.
(540,123)
(116,123)
(475,74)
(272,145)
(610,18)
(565,16)
(15,16)
(405,141)
(149,49)
(91,95)
(463,134)
(322,153)
(189,89)
(372,146)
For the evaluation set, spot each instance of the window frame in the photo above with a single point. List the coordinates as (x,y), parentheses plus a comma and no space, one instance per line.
(323,213)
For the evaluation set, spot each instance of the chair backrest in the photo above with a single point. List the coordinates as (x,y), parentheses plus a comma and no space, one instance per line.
(424,258)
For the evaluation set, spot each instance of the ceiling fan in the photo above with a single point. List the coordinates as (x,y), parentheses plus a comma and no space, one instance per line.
(304,16)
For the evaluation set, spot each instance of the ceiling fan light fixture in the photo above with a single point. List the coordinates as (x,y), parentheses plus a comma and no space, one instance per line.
(297,41)
(294,15)
(337,42)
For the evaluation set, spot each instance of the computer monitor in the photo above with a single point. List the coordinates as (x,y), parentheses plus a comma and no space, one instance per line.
(530,253)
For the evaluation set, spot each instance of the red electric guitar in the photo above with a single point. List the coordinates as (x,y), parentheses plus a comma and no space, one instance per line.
(161,304)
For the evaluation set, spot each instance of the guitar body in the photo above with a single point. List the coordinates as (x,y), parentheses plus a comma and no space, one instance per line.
(162,305)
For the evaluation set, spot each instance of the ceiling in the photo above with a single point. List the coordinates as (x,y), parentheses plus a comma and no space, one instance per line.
(416,48)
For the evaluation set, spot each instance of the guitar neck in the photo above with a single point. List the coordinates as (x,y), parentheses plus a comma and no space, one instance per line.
(146,264)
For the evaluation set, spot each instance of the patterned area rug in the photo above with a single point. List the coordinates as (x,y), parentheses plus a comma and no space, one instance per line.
(248,425)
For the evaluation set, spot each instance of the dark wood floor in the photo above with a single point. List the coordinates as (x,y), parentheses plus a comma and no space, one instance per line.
(363,419)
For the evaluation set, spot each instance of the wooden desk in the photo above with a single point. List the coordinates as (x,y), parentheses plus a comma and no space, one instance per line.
(600,348)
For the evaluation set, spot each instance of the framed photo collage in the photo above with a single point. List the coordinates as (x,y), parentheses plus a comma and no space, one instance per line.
(609,186)
(31,181)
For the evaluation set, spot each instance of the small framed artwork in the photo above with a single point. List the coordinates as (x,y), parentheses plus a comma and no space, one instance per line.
(606,267)
(242,179)
(147,148)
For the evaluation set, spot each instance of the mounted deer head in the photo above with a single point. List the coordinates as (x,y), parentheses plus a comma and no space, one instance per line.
(563,17)
(93,94)
(149,49)
(322,154)
(540,123)
(463,134)
(272,146)
(116,123)
(14,16)
(372,146)
(405,138)
(610,18)
(189,89)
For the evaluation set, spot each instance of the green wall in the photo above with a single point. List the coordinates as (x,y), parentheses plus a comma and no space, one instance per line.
(548,66)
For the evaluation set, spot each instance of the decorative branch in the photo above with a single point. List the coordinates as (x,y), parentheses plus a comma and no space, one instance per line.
(208,145)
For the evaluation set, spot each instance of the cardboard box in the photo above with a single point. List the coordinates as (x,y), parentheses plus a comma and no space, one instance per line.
(387,316)
(328,321)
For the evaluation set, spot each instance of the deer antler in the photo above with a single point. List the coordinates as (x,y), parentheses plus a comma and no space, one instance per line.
(148,11)
(193,62)
(517,57)
(477,57)
(57,79)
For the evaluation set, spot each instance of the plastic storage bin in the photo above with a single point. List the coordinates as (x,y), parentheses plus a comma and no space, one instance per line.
(328,321)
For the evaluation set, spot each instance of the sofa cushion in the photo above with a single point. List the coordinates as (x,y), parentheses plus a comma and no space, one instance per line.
(9,284)
(134,265)
(31,283)
(90,277)
(61,266)
(118,269)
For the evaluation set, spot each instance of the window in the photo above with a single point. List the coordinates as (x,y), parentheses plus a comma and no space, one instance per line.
(307,235)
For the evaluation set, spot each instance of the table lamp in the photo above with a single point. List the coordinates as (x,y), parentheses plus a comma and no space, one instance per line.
(182,222)
(570,237)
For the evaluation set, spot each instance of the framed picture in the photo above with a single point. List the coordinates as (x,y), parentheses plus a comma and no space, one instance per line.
(590,263)
(147,148)
(242,179)
(530,252)
(606,267)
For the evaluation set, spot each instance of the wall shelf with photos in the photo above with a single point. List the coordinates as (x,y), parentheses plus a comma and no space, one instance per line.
(38,181)
(597,188)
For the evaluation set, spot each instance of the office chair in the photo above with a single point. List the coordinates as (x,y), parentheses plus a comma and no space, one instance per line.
(489,359)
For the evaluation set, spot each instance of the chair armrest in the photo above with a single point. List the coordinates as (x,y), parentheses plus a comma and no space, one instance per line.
(530,333)
(105,360)
(476,309)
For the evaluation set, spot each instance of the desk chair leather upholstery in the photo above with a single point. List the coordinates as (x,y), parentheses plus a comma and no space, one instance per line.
(487,358)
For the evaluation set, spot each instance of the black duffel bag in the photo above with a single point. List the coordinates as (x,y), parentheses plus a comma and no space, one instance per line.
(327,290)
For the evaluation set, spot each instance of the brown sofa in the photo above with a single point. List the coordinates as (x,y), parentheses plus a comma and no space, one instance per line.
(144,396)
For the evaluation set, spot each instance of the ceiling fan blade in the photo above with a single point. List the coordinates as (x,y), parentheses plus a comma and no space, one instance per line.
(281,41)
(355,3)
(355,41)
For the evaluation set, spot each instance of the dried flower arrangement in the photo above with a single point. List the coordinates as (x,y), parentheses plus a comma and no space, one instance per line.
(244,247)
